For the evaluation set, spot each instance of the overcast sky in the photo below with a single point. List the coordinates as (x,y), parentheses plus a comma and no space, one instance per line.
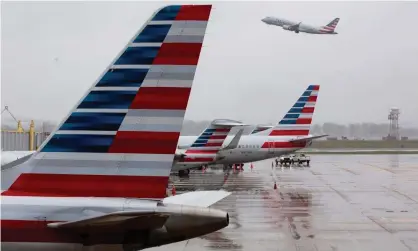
(52,52)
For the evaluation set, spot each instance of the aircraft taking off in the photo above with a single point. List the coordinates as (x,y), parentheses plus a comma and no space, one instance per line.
(99,181)
(299,27)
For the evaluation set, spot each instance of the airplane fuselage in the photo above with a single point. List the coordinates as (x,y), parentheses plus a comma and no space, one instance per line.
(250,148)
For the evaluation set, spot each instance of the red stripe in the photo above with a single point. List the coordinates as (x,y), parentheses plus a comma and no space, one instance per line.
(315,88)
(169,98)
(222,130)
(202,151)
(214,144)
(304,121)
(308,109)
(218,136)
(284,144)
(78,185)
(194,12)
(145,142)
(289,132)
(312,98)
(37,231)
(178,54)
(201,159)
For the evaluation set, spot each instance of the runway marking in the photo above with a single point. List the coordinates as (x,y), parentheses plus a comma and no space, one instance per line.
(377,167)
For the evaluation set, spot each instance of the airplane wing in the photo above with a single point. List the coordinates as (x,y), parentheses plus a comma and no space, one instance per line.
(147,219)
(234,142)
(295,26)
(197,198)
(143,219)
(308,138)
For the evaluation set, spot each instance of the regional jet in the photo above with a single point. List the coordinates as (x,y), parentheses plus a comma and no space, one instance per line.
(99,181)
(289,135)
(299,27)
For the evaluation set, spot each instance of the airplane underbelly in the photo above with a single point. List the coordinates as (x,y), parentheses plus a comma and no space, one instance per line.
(243,157)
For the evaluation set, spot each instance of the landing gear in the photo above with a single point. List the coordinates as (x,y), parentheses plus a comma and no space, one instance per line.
(184,172)
(296,31)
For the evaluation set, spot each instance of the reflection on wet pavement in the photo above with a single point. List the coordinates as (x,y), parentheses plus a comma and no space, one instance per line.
(342,202)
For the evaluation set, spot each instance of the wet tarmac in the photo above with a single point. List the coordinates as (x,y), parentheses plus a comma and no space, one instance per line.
(341,202)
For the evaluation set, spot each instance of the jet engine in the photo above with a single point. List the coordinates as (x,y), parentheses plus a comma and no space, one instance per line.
(181,223)
(291,28)
(287,27)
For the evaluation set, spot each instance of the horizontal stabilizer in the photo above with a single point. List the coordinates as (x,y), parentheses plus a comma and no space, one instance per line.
(235,141)
(308,138)
(197,198)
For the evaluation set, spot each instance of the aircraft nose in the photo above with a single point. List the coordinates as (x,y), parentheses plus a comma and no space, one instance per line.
(264,20)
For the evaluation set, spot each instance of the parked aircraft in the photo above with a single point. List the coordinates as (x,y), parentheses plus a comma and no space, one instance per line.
(289,135)
(299,27)
(206,146)
(99,181)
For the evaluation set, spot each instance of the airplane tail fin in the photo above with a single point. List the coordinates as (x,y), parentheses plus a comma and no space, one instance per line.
(331,26)
(120,139)
(297,121)
(210,141)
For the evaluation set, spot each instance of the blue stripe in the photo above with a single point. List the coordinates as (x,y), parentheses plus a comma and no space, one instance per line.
(299,105)
(295,110)
(93,121)
(108,99)
(303,99)
(198,145)
(138,56)
(291,116)
(288,122)
(167,13)
(310,88)
(79,143)
(207,133)
(153,34)
(201,141)
(307,93)
(123,77)
(210,130)
(205,137)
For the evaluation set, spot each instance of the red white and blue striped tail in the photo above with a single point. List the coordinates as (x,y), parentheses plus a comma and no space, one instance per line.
(329,28)
(210,141)
(297,121)
(121,137)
